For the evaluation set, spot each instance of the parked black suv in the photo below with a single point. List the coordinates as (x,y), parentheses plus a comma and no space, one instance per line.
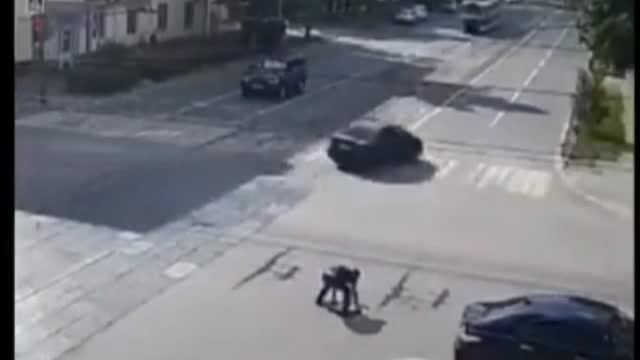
(281,78)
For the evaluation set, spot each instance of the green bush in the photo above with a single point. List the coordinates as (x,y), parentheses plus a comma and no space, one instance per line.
(611,128)
(101,80)
(599,111)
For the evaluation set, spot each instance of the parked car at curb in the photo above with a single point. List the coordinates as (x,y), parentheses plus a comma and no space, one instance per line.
(367,146)
(279,78)
(421,12)
(406,16)
(544,327)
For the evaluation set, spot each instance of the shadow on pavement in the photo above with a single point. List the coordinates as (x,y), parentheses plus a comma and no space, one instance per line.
(125,183)
(469,97)
(362,324)
(413,173)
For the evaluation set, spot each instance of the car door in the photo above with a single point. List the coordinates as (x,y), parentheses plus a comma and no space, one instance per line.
(538,340)
(562,340)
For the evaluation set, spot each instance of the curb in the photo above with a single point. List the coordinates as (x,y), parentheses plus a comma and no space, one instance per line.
(561,165)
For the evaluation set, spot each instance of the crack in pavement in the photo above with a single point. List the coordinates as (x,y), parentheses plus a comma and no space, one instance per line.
(264,268)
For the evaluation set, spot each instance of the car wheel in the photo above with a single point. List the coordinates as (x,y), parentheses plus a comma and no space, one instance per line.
(245,93)
(301,86)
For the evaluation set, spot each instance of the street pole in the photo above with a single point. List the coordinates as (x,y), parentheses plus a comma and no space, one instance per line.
(41,33)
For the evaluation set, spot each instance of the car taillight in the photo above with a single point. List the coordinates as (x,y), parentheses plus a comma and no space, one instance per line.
(465,337)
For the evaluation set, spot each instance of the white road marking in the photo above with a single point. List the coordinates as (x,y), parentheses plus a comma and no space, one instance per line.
(415,126)
(478,169)
(136,248)
(488,175)
(129,235)
(497,119)
(531,76)
(158,133)
(180,270)
(540,184)
(502,174)
(514,183)
(442,172)
(204,103)
(313,155)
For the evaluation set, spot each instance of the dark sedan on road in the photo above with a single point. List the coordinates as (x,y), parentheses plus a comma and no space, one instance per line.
(544,327)
(366,146)
(281,78)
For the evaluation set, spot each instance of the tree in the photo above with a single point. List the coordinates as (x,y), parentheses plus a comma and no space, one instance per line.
(606,28)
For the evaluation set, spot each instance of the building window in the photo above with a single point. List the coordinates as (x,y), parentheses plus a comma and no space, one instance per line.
(188,15)
(35,6)
(163,15)
(66,41)
(132,21)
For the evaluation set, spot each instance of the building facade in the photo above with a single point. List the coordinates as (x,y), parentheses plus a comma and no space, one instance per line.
(23,30)
(76,27)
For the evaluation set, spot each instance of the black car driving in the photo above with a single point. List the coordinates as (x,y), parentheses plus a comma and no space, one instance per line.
(281,78)
(366,146)
(544,327)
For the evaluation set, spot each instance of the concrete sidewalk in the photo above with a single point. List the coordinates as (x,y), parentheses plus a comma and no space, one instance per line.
(611,188)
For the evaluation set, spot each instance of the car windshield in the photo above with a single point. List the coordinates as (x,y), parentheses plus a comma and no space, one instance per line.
(270,64)
(364,133)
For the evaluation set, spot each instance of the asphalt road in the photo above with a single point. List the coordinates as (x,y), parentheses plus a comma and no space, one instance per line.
(137,207)
(346,80)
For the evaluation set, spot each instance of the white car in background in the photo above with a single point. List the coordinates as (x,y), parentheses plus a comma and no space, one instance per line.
(406,16)
(421,12)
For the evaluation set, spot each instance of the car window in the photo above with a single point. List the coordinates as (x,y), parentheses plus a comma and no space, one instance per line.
(569,336)
(272,65)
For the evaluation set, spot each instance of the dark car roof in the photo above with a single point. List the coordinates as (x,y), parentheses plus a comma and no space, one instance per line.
(562,308)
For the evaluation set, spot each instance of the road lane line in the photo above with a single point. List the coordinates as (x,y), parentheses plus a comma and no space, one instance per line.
(497,118)
(415,126)
(531,76)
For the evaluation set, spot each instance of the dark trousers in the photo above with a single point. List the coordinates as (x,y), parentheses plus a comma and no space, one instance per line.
(329,283)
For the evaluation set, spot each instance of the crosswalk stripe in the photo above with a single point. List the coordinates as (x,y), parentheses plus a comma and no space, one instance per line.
(514,183)
(443,171)
(487,177)
(538,184)
(503,174)
(478,169)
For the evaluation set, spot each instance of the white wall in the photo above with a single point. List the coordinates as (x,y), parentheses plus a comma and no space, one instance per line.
(23,42)
(175,19)
(116,27)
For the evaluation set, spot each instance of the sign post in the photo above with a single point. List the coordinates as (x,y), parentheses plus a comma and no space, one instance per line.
(39,30)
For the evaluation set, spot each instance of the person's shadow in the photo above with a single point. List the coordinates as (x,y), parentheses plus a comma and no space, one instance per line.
(360,323)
